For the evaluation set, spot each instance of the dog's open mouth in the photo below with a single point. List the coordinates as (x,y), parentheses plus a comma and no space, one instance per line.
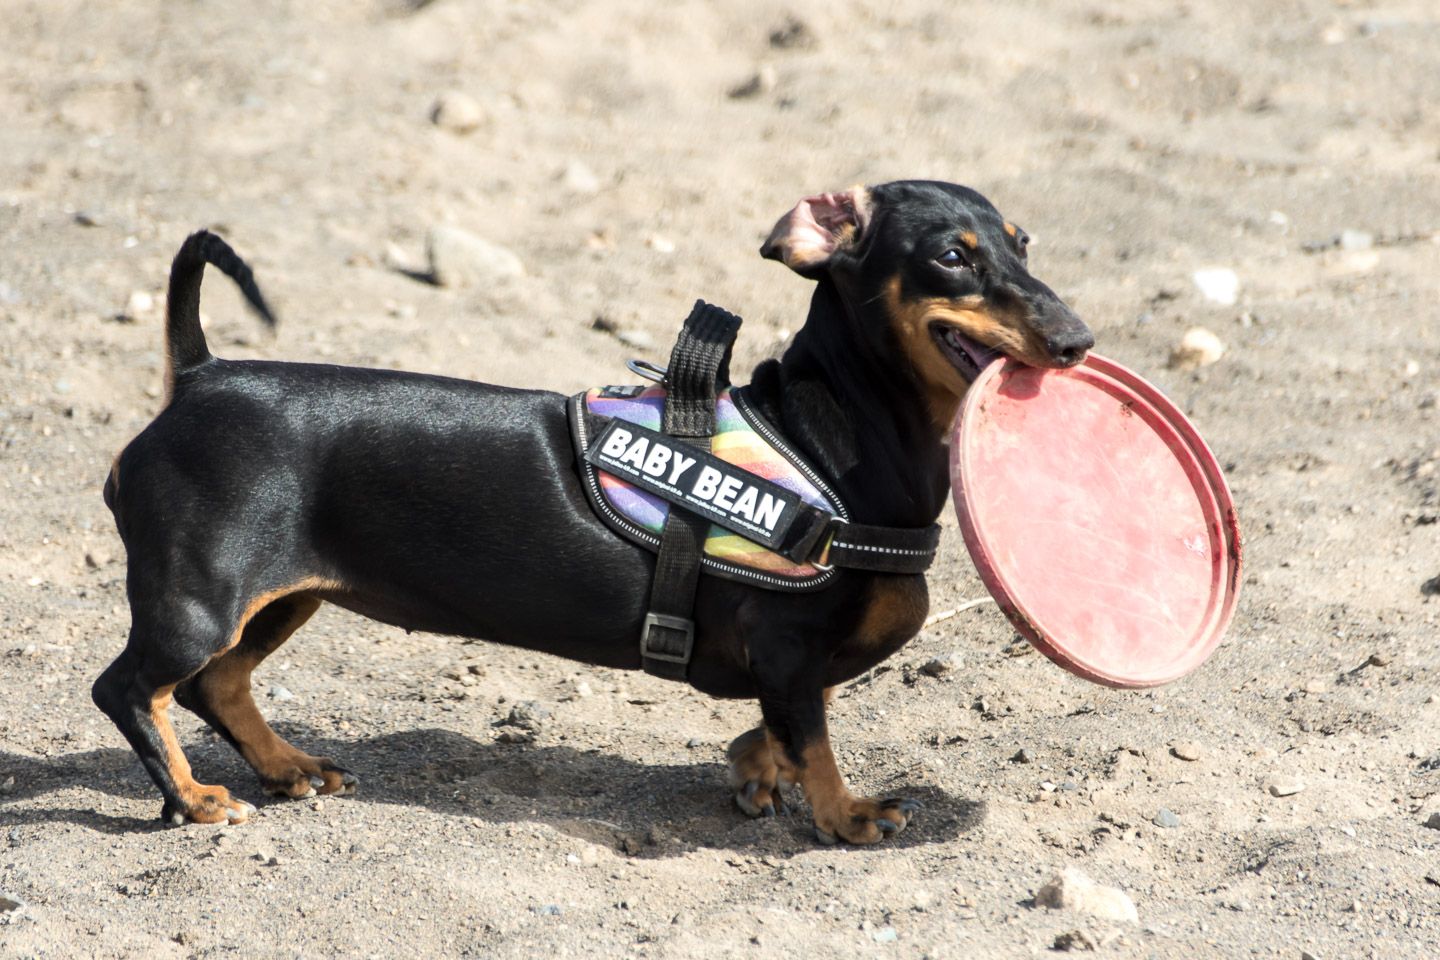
(965,353)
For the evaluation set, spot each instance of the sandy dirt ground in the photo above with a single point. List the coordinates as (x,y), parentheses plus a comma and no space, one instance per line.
(632,156)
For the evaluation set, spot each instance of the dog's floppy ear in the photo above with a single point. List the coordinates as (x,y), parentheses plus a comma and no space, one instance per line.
(809,236)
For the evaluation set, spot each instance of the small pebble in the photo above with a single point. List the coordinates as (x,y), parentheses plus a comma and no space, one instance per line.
(278,692)
(1316,687)
(938,666)
(637,339)
(139,304)
(459,258)
(793,34)
(885,935)
(578,178)
(457,113)
(1433,822)
(1070,889)
(10,904)
(7,786)
(95,559)
(763,80)
(1186,750)
(1218,285)
(515,736)
(693,743)
(1356,240)
(1284,786)
(528,715)
(660,244)
(1023,755)
(1198,348)
(1166,819)
(1073,940)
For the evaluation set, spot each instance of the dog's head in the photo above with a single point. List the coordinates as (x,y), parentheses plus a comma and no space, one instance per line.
(923,266)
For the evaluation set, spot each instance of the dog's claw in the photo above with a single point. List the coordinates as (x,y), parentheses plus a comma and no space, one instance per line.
(317,782)
(828,839)
(887,826)
(768,810)
(747,805)
(907,807)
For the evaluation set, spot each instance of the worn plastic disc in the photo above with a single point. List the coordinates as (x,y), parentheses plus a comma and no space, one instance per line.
(1097,518)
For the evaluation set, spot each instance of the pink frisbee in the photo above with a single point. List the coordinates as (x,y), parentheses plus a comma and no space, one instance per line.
(1097,518)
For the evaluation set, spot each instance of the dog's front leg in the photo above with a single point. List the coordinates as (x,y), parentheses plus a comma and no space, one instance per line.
(790,678)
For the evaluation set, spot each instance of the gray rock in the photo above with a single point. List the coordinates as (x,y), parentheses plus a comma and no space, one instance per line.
(793,34)
(459,258)
(885,935)
(938,666)
(1166,819)
(7,786)
(1076,940)
(11,908)
(528,715)
(1433,822)
(278,692)
(1023,756)
(457,112)
(763,81)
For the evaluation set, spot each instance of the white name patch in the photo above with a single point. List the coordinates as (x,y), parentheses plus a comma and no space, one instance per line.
(696,480)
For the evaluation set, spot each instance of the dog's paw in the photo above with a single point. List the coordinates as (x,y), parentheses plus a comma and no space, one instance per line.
(308,777)
(860,820)
(754,775)
(203,804)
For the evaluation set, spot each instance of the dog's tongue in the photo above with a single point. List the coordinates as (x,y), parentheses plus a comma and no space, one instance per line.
(976,353)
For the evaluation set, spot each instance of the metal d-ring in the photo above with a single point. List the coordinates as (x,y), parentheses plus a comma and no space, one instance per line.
(837,522)
(648,370)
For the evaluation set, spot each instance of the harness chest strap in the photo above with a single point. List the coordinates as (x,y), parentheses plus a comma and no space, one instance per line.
(699,365)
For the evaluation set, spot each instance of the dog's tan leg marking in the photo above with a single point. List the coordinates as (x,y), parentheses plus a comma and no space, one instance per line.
(224,689)
(839,814)
(202,803)
(755,773)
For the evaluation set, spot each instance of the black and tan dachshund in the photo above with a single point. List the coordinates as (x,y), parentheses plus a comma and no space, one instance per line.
(264,489)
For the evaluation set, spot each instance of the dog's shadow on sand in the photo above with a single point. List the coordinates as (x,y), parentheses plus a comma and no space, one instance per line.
(644,810)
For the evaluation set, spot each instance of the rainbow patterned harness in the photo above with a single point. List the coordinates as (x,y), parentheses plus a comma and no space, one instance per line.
(743,438)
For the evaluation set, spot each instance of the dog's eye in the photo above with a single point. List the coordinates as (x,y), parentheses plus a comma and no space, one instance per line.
(954,259)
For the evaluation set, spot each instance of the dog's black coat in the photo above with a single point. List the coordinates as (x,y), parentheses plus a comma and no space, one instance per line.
(456,507)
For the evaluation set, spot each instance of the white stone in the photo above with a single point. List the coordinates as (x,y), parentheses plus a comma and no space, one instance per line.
(458,258)
(1218,285)
(1072,890)
(457,112)
(1198,348)
(578,178)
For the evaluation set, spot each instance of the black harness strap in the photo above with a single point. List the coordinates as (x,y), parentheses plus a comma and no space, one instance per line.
(699,368)
(881,549)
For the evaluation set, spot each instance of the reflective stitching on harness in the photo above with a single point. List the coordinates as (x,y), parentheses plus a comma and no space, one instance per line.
(863,546)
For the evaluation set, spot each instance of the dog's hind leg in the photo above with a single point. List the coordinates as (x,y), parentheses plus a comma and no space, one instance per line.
(135,692)
(220,695)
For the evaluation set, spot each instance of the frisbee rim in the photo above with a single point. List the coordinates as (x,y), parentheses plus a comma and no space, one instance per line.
(1201,469)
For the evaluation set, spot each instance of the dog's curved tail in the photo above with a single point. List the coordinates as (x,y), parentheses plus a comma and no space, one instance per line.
(184,339)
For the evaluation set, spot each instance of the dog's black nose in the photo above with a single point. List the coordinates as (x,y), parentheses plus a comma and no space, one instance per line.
(1068,347)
